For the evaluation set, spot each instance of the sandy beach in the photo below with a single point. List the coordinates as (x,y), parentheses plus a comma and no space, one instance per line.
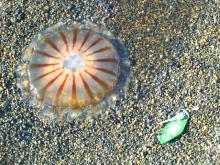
(174,53)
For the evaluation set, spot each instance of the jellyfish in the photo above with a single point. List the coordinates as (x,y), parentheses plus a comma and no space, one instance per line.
(73,69)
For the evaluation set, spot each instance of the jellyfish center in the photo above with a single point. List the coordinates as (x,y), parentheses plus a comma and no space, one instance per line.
(73,62)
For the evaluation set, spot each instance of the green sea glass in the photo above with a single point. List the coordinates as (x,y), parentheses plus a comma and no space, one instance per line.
(172,129)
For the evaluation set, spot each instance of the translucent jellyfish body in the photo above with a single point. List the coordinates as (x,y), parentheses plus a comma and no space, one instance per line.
(73,69)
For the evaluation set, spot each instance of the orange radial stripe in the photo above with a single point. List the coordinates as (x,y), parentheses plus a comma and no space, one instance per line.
(86,86)
(102,83)
(94,43)
(84,40)
(52,44)
(60,90)
(104,70)
(103,60)
(74,97)
(99,51)
(45,74)
(42,65)
(42,53)
(63,36)
(74,37)
(44,89)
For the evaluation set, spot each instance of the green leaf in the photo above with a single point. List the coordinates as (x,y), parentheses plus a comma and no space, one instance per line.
(171,130)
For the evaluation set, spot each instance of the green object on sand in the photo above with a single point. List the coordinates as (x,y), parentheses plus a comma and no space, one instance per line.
(173,127)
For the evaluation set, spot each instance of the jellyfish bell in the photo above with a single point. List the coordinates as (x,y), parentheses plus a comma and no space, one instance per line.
(73,70)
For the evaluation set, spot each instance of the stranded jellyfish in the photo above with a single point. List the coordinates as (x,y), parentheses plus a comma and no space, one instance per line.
(72,69)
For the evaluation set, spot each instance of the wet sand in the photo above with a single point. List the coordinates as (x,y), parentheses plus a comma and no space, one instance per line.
(175,64)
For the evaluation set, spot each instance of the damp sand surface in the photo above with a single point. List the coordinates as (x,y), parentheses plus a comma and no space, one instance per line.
(175,64)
